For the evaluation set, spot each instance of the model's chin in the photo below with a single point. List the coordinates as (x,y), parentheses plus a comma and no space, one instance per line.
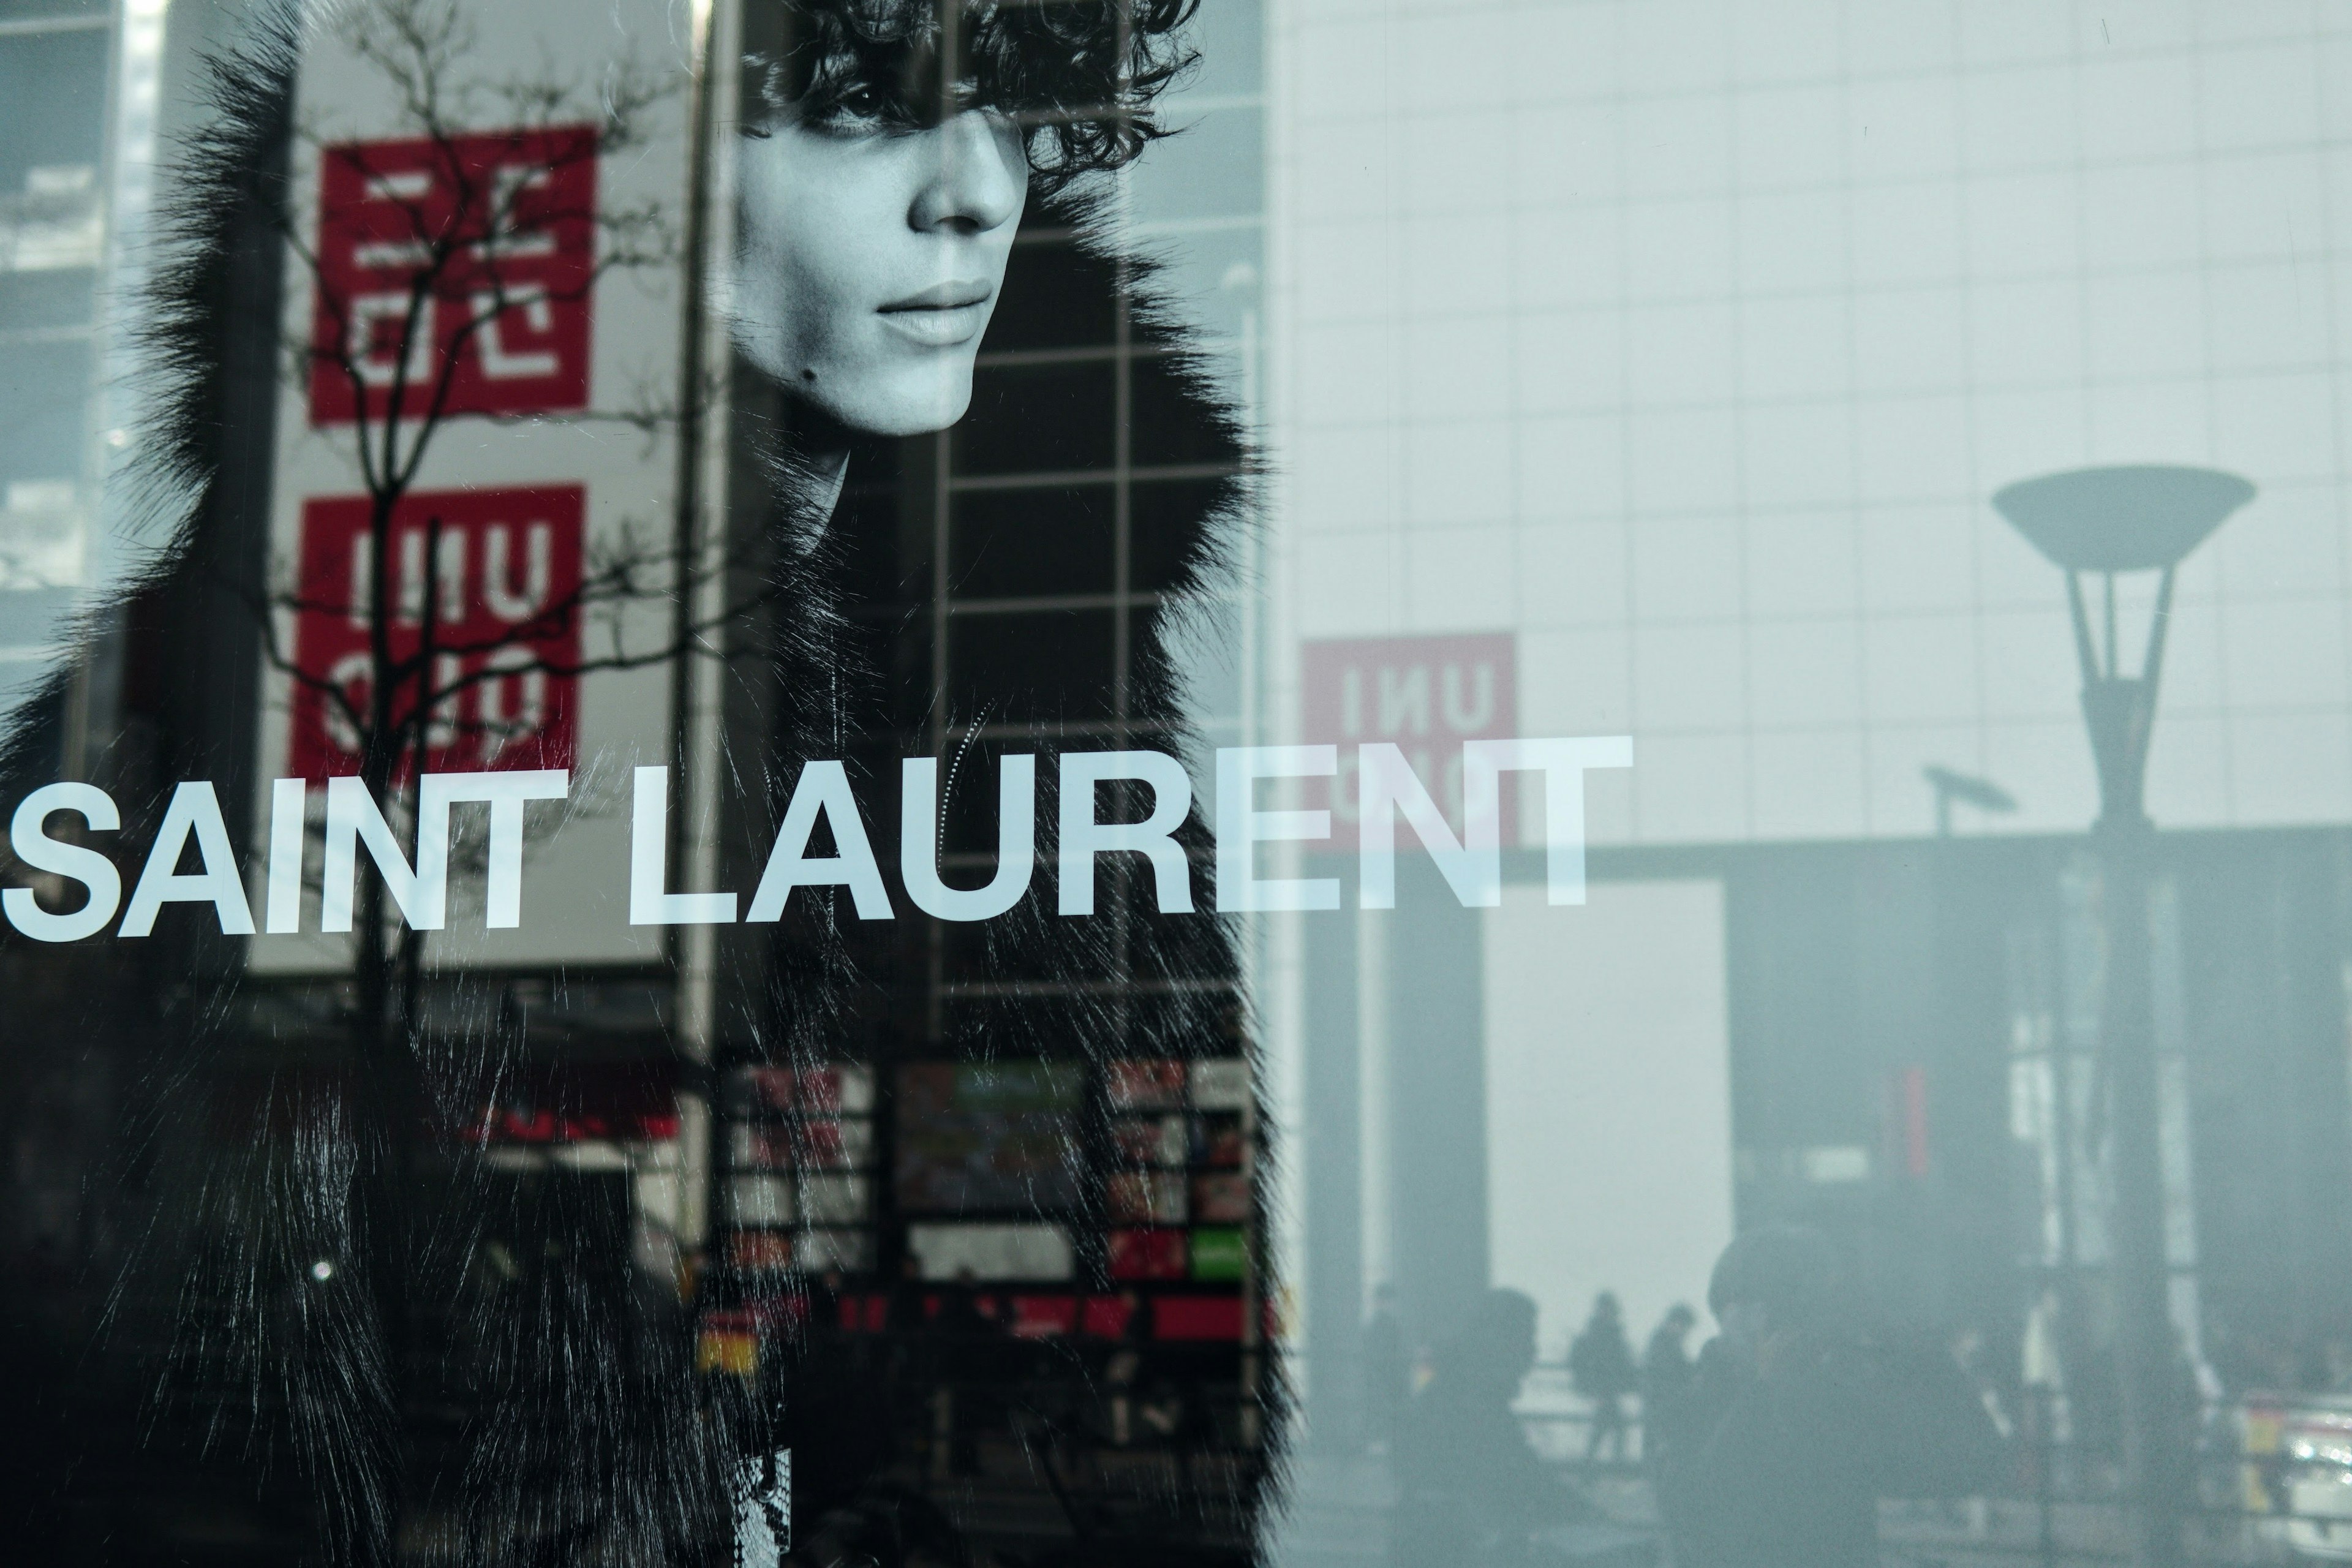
(881,390)
(909,403)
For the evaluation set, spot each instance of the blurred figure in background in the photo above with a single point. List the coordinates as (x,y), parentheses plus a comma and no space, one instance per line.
(1473,1490)
(1600,1366)
(1667,1375)
(2048,1418)
(1777,1471)
(969,1345)
(1800,1422)
(1976,1365)
(1387,1370)
(1969,1354)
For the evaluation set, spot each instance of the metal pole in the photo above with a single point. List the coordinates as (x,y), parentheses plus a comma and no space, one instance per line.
(702,531)
(2119,712)
(2154,1450)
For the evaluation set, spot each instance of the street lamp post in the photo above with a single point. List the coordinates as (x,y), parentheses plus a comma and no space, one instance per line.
(2101,523)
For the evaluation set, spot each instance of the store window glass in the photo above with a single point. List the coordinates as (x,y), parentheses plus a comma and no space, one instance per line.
(1064,782)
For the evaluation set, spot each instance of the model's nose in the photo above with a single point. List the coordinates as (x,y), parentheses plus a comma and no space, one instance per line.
(978,178)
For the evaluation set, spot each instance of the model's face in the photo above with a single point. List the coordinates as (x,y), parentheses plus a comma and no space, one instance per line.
(870,258)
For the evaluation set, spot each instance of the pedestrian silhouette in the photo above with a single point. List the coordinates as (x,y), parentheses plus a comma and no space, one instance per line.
(1667,1373)
(1600,1366)
(1799,1421)
(1388,1369)
(1473,1491)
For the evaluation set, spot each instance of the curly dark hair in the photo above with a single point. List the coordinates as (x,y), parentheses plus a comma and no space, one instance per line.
(1080,75)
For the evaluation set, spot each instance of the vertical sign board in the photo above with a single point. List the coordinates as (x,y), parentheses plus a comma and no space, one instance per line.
(1425,695)
(505,579)
(506,283)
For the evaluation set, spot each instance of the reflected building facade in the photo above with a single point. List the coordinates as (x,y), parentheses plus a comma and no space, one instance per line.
(1686,346)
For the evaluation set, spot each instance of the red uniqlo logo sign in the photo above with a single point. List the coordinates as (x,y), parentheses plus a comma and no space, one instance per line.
(1423,695)
(504,591)
(489,242)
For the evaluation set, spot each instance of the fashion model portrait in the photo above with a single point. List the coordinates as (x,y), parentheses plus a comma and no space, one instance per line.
(992,489)
(917,1233)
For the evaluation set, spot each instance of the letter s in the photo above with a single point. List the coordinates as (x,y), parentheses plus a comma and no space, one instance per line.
(43,853)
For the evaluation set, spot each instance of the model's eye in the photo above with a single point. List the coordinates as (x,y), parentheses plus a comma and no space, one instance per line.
(859,107)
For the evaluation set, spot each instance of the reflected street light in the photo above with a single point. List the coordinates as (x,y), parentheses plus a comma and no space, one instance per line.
(2104,524)
(1949,787)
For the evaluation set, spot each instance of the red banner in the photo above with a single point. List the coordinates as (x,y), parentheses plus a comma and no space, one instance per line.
(503,593)
(456,267)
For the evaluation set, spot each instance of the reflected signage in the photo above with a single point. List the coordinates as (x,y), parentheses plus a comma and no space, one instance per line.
(1425,695)
(472,251)
(485,585)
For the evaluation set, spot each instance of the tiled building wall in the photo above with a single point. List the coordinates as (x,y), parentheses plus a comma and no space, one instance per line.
(1689,338)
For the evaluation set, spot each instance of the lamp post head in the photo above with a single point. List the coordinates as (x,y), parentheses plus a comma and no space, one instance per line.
(2136,519)
(2105,522)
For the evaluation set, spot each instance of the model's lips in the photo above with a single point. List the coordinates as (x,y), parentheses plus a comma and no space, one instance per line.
(945,316)
(950,296)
